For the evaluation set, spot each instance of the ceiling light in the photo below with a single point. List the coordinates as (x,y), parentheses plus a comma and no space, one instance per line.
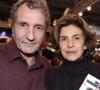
(80,14)
(54,22)
(89,8)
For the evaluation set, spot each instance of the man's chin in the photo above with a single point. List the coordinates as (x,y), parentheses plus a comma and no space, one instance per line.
(29,53)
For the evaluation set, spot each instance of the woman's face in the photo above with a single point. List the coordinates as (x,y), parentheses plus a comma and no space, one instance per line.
(71,42)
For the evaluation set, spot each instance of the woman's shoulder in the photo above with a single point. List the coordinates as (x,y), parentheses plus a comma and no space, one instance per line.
(96,69)
(51,75)
(96,65)
(52,71)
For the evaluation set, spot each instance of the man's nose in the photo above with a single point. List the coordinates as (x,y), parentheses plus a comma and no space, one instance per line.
(30,34)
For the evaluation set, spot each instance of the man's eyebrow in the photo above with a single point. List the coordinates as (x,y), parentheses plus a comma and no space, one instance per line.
(63,36)
(22,22)
(40,25)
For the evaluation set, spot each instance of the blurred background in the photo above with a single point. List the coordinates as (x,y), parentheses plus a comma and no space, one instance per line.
(88,9)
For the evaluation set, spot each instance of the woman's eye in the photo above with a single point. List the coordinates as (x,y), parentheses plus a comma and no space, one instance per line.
(62,39)
(77,38)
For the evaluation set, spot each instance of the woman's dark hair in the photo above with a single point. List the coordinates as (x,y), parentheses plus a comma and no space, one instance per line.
(71,19)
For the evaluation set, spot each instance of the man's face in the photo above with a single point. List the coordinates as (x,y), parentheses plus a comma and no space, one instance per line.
(29,29)
(71,42)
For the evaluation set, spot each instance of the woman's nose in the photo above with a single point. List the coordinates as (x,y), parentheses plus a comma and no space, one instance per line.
(70,43)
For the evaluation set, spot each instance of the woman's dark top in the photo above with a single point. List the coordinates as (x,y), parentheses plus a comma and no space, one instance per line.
(70,75)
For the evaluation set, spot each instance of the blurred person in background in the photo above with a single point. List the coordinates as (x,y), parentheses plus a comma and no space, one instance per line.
(21,65)
(76,41)
(52,57)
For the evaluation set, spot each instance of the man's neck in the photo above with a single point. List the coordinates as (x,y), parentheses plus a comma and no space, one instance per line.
(30,60)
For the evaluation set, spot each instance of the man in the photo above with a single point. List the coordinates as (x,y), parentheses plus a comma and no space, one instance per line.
(21,65)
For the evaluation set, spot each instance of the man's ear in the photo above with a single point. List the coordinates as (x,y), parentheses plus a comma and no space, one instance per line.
(85,47)
(43,42)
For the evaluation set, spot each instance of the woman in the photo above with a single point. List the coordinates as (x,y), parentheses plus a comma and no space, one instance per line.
(76,42)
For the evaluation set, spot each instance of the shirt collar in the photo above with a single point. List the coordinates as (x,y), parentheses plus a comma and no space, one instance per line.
(14,54)
(12,50)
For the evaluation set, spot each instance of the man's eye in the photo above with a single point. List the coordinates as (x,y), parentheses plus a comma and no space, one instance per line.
(39,28)
(23,24)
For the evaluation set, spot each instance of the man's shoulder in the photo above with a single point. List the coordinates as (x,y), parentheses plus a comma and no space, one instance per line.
(45,61)
(3,52)
(2,46)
